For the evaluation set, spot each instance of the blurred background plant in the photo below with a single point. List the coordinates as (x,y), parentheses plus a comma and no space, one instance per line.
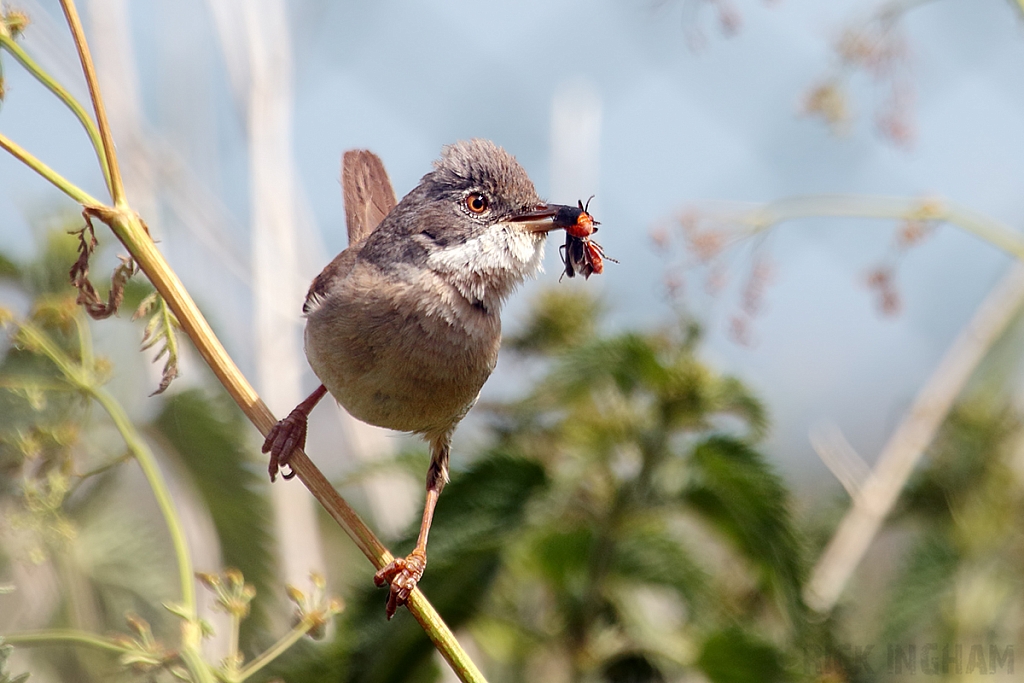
(613,516)
(619,525)
(82,537)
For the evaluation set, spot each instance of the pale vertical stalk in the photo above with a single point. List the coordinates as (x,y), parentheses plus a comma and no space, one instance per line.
(255,37)
(391,496)
(575,143)
(130,230)
(114,55)
(907,444)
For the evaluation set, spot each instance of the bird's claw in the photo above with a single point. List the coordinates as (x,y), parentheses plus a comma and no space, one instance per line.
(282,440)
(403,573)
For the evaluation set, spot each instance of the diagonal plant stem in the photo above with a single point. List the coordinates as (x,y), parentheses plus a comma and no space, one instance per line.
(62,183)
(906,446)
(8,43)
(64,636)
(274,651)
(130,230)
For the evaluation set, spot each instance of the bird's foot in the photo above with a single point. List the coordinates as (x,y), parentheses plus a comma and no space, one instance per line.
(283,439)
(403,573)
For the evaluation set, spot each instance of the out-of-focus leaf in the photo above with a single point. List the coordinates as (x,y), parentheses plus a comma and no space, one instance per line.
(967,499)
(964,454)
(49,274)
(735,490)
(9,268)
(480,506)
(632,668)
(562,557)
(732,397)
(127,559)
(917,596)
(652,557)
(692,395)
(628,361)
(135,290)
(208,435)
(734,656)
(560,319)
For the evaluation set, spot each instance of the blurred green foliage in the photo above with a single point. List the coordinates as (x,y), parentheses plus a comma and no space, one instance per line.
(961,581)
(208,434)
(622,526)
(73,502)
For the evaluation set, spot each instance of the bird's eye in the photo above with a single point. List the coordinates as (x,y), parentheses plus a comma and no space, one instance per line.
(476,202)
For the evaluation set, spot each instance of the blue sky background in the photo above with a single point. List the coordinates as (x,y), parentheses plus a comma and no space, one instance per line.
(679,127)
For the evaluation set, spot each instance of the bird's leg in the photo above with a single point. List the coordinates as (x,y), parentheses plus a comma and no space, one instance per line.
(403,573)
(289,434)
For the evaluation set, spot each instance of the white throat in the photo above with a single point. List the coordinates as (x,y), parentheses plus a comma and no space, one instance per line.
(489,266)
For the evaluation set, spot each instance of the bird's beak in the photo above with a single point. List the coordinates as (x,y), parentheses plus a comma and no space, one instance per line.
(542,218)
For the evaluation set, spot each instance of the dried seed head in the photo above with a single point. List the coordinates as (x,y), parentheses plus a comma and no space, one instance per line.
(16,22)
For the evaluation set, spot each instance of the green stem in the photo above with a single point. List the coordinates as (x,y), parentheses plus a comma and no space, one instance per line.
(193,660)
(274,651)
(96,471)
(65,636)
(84,380)
(31,384)
(85,350)
(129,229)
(147,461)
(36,339)
(232,660)
(7,42)
(107,140)
(63,184)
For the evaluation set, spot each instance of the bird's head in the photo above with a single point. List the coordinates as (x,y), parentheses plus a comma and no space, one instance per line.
(475,219)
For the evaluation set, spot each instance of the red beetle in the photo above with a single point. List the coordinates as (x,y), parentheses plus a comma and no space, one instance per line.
(580,254)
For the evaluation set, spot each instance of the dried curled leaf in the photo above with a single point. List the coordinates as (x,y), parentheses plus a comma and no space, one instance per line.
(160,329)
(79,274)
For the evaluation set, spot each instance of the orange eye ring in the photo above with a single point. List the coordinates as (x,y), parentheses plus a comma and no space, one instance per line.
(476,202)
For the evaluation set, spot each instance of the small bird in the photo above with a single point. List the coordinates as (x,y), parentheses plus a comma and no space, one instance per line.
(403,327)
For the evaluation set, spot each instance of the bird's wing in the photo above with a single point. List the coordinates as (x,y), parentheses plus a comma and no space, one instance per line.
(368,194)
(336,271)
